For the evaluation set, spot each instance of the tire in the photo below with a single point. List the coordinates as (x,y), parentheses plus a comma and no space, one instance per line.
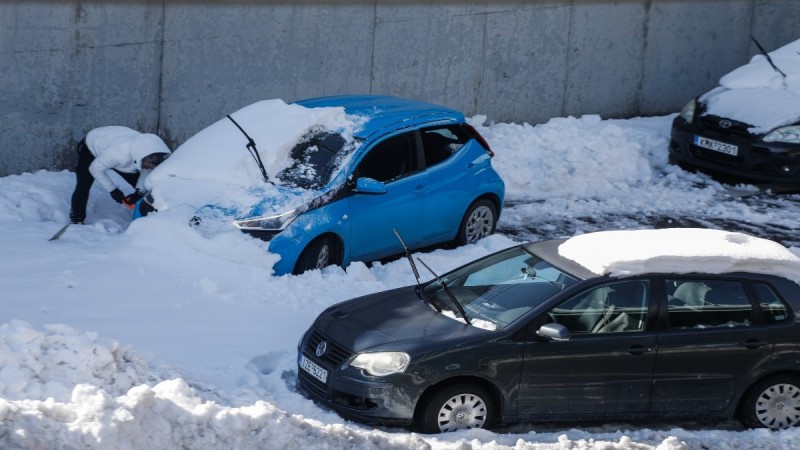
(321,252)
(479,221)
(457,407)
(772,403)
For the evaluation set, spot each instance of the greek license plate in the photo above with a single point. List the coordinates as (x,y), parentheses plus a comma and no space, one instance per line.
(716,146)
(312,368)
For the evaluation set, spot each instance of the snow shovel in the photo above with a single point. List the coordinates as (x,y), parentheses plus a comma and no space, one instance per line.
(59,233)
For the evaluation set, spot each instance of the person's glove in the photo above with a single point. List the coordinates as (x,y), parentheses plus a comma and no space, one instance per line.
(133,198)
(117,195)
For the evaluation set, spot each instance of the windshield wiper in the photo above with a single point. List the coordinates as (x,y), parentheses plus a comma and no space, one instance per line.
(251,147)
(414,269)
(449,293)
(769,60)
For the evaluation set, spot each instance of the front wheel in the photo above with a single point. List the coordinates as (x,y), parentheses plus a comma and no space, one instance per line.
(320,253)
(457,407)
(479,221)
(772,403)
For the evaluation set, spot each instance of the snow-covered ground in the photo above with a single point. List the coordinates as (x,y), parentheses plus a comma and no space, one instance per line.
(150,334)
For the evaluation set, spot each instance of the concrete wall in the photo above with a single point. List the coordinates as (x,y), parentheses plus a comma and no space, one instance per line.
(175,67)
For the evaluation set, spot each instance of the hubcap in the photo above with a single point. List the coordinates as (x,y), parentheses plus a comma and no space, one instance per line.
(323,256)
(778,406)
(479,224)
(462,411)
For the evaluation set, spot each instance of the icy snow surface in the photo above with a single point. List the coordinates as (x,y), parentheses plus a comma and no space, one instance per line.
(155,335)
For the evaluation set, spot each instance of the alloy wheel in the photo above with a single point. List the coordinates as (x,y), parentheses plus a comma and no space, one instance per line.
(778,406)
(479,224)
(462,411)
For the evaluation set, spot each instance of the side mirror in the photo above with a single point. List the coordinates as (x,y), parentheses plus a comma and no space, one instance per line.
(366,185)
(553,332)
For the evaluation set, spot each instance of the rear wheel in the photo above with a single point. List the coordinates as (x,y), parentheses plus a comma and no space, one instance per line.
(321,252)
(457,407)
(772,403)
(479,221)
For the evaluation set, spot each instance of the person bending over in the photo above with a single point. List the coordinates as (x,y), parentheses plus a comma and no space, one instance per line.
(128,152)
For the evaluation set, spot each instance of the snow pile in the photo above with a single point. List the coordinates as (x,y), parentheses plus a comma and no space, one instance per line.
(36,365)
(679,250)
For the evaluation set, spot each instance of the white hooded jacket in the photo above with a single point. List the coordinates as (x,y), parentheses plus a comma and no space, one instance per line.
(122,149)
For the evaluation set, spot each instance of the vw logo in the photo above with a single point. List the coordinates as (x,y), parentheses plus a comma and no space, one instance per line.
(725,123)
(321,347)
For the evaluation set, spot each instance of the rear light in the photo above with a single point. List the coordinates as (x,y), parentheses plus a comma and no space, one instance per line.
(477,136)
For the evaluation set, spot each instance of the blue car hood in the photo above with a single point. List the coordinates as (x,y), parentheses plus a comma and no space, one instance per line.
(215,173)
(391,320)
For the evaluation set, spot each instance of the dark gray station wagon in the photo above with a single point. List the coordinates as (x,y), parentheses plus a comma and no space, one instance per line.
(528,334)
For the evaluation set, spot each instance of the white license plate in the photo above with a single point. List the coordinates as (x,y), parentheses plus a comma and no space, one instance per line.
(716,146)
(312,368)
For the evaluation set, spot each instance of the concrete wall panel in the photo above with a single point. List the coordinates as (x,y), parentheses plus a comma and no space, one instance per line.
(176,67)
(689,46)
(604,67)
(524,60)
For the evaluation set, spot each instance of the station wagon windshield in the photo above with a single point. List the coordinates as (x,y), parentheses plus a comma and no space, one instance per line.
(500,288)
(315,159)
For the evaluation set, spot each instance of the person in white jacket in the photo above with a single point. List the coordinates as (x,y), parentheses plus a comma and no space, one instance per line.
(128,152)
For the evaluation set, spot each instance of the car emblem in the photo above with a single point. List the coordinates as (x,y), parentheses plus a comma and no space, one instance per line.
(321,347)
(725,123)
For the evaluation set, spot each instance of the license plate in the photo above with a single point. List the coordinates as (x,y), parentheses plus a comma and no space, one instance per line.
(716,146)
(313,369)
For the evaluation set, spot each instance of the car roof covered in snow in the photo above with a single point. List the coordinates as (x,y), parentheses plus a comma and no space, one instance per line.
(386,113)
(678,250)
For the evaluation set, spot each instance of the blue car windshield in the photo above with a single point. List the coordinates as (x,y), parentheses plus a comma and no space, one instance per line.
(315,159)
(497,290)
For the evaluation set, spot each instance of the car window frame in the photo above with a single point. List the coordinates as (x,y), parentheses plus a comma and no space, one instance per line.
(759,319)
(654,292)
(415,142)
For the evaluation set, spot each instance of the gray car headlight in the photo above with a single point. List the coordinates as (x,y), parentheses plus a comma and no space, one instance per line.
(687,113)
(380,364)
(790,135)
(274,222)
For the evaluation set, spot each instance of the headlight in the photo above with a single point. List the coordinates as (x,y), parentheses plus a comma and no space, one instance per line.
(790,135)
(687,113)
(277,222)
(381,363)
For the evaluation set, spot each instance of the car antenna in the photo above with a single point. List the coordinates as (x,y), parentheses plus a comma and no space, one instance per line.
(769,60)
(251,147)
(448,291)
(408,255)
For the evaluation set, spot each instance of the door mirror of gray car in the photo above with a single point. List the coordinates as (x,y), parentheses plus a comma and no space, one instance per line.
(366,185)
(553,332)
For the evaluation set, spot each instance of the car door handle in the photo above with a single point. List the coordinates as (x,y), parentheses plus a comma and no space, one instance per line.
(638,349)
(753,344)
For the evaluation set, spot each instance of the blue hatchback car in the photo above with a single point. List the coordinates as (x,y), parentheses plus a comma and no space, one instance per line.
(409,166)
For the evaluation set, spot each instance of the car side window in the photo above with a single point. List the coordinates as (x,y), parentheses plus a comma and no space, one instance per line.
(771,305)
(698,304)
(390,159)
(611,308)
(440,143)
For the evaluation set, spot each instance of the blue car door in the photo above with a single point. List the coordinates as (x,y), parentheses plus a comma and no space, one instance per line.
(394,161)
(451,170)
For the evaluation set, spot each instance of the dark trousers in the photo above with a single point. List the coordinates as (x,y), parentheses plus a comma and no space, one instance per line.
(84,181)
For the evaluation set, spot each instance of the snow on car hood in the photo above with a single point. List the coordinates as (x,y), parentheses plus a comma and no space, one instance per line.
(213,170)
(758,95)
(679,250)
